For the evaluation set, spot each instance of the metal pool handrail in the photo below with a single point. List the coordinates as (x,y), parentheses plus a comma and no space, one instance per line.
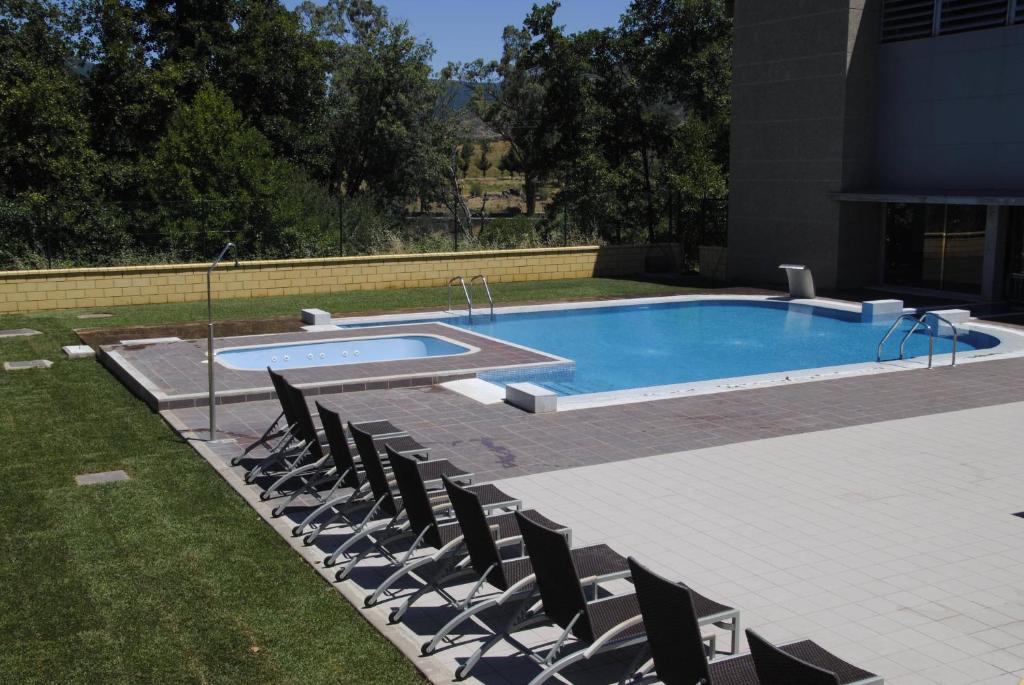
(948,323)
(919,320)
(892,329)
(461,281)
(487,289)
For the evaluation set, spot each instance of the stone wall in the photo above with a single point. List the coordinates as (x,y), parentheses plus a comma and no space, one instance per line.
(119,286)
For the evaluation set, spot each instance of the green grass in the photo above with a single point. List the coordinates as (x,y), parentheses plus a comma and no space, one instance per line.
(169,577)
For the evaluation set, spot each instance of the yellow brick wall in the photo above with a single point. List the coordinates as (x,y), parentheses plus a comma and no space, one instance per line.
(117,286)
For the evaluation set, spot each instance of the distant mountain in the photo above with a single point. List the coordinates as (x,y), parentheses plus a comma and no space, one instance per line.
(461,96)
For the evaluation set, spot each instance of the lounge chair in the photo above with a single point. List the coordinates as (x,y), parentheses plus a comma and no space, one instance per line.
(312,457)
(442,534)
(384,522)
(601,624)
(670,616)
(511,578)
(299,437)
(338,473)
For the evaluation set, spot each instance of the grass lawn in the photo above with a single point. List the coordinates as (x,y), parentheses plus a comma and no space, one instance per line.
(168,577)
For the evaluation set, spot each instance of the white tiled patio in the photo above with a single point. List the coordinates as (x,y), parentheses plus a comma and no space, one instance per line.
(892,544)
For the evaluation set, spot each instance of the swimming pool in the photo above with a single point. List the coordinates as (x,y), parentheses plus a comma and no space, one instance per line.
(637,346)
(339,351)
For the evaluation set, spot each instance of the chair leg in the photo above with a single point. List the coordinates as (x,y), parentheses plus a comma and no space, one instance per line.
(405,570)
(435,585)
(430,647)
(524,618)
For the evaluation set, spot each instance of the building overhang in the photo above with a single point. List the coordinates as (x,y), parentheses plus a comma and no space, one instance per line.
(1009,198)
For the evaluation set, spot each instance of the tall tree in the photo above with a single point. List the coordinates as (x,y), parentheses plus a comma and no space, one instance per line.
(381,102)
(484,162)
(514,101)
(48,194)
(215,178)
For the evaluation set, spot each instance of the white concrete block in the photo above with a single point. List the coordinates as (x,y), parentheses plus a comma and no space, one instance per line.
(958,317)
(531,397)
(79,351)
(873,311)
(317,317)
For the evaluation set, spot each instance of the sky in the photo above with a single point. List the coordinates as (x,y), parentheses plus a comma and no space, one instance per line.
(462,30)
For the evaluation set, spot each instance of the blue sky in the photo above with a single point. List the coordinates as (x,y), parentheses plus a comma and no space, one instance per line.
(462,30)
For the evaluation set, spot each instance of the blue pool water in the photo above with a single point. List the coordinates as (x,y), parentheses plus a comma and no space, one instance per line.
(616,348)
(334,352)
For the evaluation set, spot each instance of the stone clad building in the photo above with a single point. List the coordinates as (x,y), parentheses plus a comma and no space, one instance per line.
(880,142)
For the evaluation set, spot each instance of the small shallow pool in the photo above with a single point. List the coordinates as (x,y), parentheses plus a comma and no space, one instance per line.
(341,351)
(637,346)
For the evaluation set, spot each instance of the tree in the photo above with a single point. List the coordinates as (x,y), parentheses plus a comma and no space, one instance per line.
(380,113)
(215,178)
(48,193)
(484,163)
(514,101)
(465,159)
(273,70)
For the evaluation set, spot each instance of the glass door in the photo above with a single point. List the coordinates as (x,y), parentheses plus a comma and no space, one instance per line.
(938,247)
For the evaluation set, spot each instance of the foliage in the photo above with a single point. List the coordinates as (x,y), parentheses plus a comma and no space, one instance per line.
(484,163)
(135,130)
(215,178)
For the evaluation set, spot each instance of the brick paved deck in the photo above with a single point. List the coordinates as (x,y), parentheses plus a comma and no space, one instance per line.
(171,375)
(499,441)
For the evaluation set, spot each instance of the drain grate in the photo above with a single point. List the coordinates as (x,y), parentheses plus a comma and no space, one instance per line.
(101,477)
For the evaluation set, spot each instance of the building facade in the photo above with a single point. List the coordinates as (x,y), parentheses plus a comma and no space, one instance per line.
(880,142)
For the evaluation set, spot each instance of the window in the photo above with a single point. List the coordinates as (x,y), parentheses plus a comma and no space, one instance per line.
(938,247)
(910,19)
(971,15)
(907,19)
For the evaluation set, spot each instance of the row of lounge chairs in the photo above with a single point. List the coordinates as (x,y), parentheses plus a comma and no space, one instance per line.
(431,524)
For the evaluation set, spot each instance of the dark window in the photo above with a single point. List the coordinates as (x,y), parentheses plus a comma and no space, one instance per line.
(971,15)
(939,247)
(907,19)
(910,19)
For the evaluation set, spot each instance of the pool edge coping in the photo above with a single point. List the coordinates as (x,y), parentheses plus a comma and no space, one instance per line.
(653,393)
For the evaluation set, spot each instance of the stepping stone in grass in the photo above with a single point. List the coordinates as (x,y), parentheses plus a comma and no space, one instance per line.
(17,332)
(97,315)
(33,364)
(101,477)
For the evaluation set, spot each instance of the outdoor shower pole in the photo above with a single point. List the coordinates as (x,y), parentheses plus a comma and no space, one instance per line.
(209,341)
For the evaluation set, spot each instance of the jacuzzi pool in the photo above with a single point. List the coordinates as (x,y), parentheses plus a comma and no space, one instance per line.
(338,351)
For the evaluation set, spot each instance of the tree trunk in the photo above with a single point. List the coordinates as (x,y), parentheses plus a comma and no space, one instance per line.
(648,194)
(530,191)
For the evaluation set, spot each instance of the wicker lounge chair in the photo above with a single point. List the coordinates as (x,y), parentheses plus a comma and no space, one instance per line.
(670,613)
(339,474)
(288,444)
(379,433)
(511,578)
(601,624)
(383,522)
(312,457)
(441,533)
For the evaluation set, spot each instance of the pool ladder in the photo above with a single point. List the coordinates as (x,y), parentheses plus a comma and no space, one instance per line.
(465,290)
(919,320)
